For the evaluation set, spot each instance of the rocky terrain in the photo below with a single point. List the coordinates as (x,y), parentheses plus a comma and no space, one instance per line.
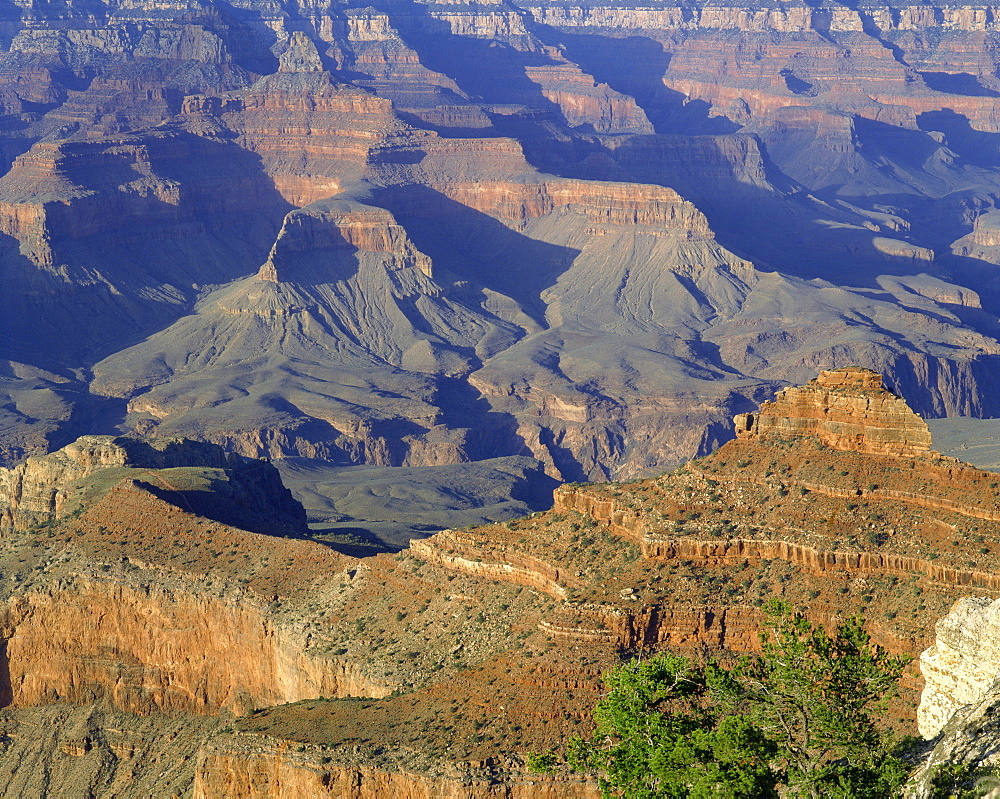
(417,234)
(225,661)
(202,478)
(958,705)
(433,259)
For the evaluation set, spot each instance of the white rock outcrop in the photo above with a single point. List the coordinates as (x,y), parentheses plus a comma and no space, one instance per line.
(962,665)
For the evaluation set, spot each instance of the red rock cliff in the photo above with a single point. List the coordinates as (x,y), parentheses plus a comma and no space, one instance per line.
(846,409)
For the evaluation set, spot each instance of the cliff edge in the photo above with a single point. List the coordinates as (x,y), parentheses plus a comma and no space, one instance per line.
(201,478)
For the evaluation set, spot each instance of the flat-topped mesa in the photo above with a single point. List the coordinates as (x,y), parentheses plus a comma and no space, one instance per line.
(846,409)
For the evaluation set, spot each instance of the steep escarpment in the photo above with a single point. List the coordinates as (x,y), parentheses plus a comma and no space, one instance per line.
(345,309)
(320,284)
(173,650)
(719,226)
(149,610)
(192,613)
(140,605)
(683,561)
(257,128)
(311,135)
(134,224)
(838,51)
(419,234)
(201,477)
(503,337)
(429,234)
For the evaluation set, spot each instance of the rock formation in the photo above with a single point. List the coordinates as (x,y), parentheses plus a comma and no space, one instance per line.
(425,234)
(47,487)
(719,226)
(961,667)
(433,671)
(958,705)
(847,409)
(200,618)
(684,561)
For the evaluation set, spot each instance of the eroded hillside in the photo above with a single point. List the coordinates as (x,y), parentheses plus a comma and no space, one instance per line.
(867,521)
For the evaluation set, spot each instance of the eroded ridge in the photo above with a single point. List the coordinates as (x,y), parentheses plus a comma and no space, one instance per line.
(830,482)
(491,639)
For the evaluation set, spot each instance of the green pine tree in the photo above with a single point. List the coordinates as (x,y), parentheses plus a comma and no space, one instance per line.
(800,717)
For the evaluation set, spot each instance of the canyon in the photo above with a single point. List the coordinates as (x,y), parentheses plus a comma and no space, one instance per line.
(425,264)
(418,235)
(166,648)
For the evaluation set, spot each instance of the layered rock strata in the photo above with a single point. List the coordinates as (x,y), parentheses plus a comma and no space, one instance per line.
(37,489)
(199,618)
(174,141)
(744,484)
(179,642)
(847,409)
(243,766)
(173,650)
(477,645)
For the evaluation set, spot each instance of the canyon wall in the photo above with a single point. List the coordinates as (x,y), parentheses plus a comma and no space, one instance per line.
(44,488)
(257,769)
(661,544)
(685,232)
(449,550)
(37,489)
(733,627)
(155,648)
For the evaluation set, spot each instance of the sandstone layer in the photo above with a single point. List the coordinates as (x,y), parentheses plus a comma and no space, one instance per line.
(423,234)
(244,767)
(135,604)
(847,409)
(685,561)
(173,651)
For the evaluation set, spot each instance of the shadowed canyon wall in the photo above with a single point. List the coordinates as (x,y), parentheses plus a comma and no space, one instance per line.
(600,228)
